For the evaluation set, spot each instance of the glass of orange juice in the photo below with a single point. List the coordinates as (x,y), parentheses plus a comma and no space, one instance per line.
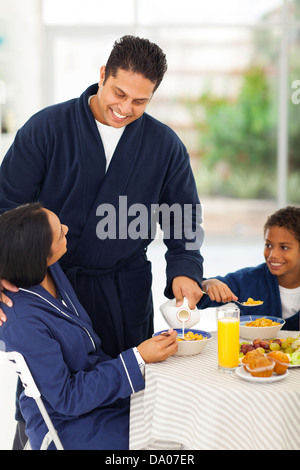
(228,337)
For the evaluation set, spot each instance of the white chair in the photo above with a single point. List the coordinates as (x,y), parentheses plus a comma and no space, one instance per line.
(18,362)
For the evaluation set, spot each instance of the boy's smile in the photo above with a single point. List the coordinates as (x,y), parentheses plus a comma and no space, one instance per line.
(282,255)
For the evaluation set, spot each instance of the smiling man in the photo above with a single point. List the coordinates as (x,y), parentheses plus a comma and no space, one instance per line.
(123,99)
(90,151)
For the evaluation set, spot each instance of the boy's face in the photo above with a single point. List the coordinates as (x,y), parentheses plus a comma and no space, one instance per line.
(282,255)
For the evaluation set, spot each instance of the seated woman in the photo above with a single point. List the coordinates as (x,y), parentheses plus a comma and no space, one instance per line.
(275,282)
(85,392)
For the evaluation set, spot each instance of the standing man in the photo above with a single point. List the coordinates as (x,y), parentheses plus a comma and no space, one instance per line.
(98,152)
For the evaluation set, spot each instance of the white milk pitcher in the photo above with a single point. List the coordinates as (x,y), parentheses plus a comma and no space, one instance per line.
(177,317)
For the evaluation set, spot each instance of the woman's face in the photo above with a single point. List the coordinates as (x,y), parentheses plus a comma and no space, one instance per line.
(59,242)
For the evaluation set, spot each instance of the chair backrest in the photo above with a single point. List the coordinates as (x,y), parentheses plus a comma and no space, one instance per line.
(31,390)
(21,368)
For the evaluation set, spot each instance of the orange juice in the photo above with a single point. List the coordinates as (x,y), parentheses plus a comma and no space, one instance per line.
(228,342)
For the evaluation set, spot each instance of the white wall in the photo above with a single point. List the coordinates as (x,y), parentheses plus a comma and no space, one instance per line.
(20,62)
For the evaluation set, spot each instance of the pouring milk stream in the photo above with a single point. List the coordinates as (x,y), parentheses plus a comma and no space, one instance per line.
(180,317)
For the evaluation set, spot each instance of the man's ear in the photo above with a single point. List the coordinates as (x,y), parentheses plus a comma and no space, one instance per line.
(102,75)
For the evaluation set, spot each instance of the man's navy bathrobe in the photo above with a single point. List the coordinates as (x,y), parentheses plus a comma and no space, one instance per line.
(86,393)
(58,158)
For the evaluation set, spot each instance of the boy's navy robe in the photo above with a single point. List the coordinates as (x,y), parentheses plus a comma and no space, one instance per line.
(58,158)
(256,282)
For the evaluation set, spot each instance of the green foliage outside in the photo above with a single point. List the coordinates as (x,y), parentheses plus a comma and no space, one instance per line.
(238,141)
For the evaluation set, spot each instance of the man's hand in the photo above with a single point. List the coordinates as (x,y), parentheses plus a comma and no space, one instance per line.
(4,299)
(158,348)
(185,287)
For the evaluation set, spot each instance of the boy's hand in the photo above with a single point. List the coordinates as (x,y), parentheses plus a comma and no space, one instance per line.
(218,291)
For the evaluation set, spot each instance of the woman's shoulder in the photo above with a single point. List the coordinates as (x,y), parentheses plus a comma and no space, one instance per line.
(22,304)
(19,318)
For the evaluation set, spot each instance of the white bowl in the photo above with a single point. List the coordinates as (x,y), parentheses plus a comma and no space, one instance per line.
(255,332)
(190,348)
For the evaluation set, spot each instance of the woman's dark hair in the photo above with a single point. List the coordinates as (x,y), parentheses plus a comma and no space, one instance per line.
(25,244)
(288,217)
(137,55)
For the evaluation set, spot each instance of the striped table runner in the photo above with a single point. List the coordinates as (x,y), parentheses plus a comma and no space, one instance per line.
(188,403)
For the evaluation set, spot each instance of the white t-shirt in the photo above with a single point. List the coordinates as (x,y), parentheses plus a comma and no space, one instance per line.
(290,301)
(110,137)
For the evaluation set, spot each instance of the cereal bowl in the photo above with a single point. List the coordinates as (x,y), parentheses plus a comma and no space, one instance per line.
(193,347)
(263,332)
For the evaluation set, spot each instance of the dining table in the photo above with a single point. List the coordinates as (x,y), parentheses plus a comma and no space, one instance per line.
(188,403)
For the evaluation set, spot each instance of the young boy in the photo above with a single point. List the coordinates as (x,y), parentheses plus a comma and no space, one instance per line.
(276,282)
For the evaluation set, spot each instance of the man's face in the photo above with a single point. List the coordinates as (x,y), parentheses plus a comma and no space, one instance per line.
(122,99)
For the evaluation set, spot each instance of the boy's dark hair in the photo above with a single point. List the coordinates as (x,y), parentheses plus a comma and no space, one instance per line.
(137,55)
(288,217)
(25,244)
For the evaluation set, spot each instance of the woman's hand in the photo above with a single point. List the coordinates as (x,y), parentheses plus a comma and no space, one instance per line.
(158,348)
(218,291)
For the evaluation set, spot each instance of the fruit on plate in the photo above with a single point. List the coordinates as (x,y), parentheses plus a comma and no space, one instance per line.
(246,347)
(289,346)
(281,361)
(261,343)
(295,357)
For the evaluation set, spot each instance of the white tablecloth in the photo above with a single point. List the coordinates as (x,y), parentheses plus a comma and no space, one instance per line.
(188,402)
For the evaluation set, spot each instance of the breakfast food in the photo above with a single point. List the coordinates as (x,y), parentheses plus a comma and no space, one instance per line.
(250,301)
(190,336)
(294,357)
(262,322)
(249,356)
(273,360)
(289,345)
(261,366)
(281,361)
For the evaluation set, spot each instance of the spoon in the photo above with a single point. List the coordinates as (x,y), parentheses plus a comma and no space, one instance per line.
(179,337)
(241,303)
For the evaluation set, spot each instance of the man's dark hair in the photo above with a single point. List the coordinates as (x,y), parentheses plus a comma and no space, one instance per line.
(137,55)
(288,217)
(25,244)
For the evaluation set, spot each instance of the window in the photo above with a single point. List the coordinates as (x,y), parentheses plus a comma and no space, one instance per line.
(221,91)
